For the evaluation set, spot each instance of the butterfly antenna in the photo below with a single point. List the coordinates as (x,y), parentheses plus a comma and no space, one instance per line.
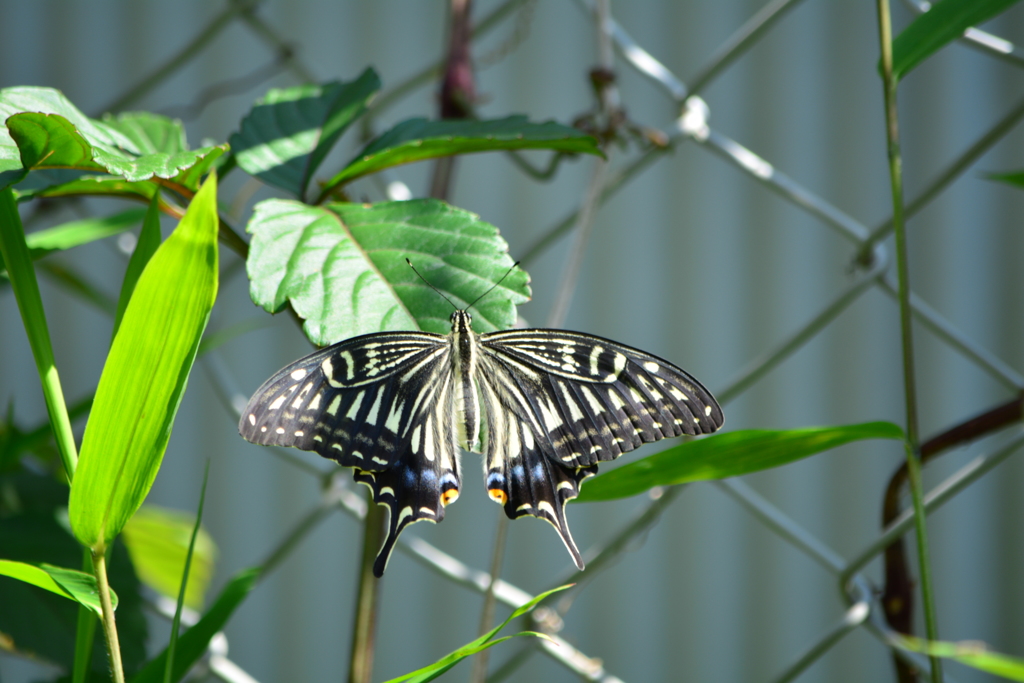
(430,285)
(507,273)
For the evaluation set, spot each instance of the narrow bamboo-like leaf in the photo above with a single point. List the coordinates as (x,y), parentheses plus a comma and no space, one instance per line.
(157,540)
(144,376)
(145,247)
(944,22)
(969,653)
(193,643)
(14,252)
(94,186)
(343,267)
(185,576)
(287,134)
(1016,178)
(77,233)
(727,455)
(429,673)
(419,139)
(68,583)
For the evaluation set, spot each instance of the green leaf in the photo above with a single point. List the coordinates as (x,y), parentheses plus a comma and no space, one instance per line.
(969,653)
(81,232)
(76,233)
(144,376)
(41,623)
(51,141)
(1015,178)
(145,247)
(432,671)
(49,101)
(68,583)
(343,267)
(157,540)
(944,22)
(193,643)
(15,254)
(727,455)
(151,133)
(287,134)
(97,186)
(419,139)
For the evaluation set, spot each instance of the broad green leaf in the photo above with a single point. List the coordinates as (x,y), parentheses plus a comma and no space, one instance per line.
(727,455)
(419,139)
(429,673)
(969,653)
(51,141)
(157,540)
(944,22)
(145,247)
(41,623)
(287,134)
(49,101)
(144,376)
(343,267)
(151,133)
(68,583)
(193,642)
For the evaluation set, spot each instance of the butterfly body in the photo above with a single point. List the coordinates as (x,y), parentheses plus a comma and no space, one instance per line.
(544,407)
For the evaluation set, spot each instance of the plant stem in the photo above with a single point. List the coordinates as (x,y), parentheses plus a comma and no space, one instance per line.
(910,387)
(479,674)
(99,561)
(365,626)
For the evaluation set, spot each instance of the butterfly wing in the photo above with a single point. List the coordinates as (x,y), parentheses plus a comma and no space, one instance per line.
(380,403)
(560,402)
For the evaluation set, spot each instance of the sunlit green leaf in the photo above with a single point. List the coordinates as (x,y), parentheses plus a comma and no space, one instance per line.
(192,643)
(157,540)
(343,267)
(429,673)
(287,134)
(68,583)
(969,653)
(145,247)
(944,22)
(727,455)
(151,133)
(419,139)
(144,376)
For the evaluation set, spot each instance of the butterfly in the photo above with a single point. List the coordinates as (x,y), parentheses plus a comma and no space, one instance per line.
(543,406)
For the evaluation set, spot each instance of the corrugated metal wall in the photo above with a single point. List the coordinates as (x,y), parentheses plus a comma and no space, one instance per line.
(694,260)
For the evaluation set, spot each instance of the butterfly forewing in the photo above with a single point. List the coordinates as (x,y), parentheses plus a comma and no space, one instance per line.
(396,406)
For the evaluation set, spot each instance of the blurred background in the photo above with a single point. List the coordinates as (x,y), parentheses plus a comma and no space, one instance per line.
(694,259)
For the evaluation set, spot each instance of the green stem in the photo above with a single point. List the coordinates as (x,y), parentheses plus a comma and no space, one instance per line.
(99,561)
(30,304)
(910,388)
(365,626)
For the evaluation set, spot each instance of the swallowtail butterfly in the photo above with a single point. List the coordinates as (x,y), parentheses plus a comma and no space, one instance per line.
(542,406)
